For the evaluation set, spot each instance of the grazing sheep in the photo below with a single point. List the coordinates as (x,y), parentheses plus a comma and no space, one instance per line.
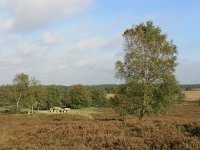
(59,109)
(66,110)
(51,109)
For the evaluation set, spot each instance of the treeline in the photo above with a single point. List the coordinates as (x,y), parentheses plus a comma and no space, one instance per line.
(26,92)
(188,87)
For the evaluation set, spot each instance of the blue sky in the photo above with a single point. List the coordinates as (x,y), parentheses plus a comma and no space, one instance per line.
(78,41)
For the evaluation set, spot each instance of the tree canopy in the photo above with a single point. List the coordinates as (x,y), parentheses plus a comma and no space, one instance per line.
(78,96)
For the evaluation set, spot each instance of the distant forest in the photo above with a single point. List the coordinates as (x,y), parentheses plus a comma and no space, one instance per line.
(189,86)
(46,96)
(110,88)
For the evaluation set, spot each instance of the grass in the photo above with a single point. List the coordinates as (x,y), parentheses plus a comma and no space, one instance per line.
(2,108)
(87,112)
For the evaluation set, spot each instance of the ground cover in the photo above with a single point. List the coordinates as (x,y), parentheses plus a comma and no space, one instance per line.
(179,130)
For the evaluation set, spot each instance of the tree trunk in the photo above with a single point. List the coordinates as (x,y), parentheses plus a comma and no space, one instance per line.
(142,113)
(32,109)
(144,107)
(17,107)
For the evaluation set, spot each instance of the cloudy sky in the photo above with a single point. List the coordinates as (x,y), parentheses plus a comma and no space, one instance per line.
(78,41)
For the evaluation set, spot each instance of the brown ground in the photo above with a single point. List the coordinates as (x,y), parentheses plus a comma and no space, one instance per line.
(180,130)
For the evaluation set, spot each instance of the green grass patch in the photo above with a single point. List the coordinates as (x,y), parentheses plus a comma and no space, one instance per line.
(2,108)
(87,112)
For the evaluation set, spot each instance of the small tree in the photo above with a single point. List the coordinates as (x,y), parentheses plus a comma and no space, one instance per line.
(147,69)
(78,96)
(21,83)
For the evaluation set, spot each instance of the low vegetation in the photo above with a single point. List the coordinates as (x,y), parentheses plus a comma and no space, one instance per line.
(179,130)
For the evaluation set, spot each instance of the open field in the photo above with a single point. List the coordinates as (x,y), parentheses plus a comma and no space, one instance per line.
(180,130)
(193,95)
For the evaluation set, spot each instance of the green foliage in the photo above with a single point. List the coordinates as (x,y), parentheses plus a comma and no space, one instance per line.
(41,97)
(21,83)
(34,93)
(180,98)
(7,95)
(158,98)
(109,88)
(53,97)
(148,68)
(14,110)
(99,98)
(78,97)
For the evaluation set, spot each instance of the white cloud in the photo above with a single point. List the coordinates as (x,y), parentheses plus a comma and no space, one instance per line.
(57,63)
(26,15)
(98,43)
(50,39)
(88,44)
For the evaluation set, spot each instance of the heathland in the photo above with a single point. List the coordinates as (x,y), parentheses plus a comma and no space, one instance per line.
(102,129)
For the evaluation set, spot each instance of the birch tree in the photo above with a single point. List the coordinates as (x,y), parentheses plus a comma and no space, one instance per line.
(21,83)
(148,69)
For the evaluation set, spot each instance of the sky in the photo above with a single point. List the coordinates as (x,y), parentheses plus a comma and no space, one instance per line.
(70,42)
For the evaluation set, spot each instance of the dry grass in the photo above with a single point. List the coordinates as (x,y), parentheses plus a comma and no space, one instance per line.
(180,130)
(192,95)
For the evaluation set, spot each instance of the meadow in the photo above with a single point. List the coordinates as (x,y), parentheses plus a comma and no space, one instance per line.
(102,128)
